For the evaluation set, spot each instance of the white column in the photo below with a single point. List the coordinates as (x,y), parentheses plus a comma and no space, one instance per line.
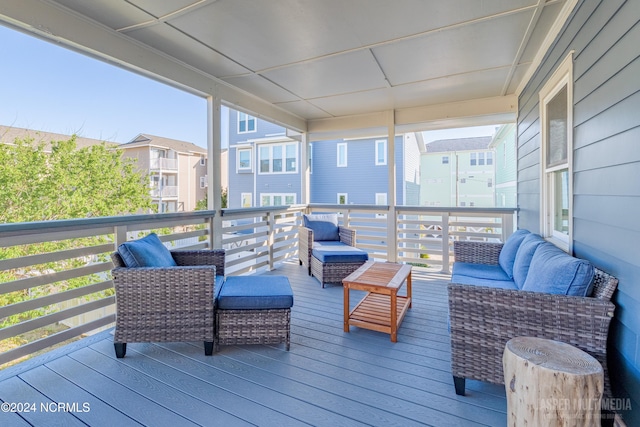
(214,169)
(305,170)
(392,235)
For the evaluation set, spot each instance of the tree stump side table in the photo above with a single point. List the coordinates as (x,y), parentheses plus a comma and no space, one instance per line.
(551,383)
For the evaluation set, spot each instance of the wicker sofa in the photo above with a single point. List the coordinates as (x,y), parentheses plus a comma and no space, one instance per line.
(330,256)
(484,317)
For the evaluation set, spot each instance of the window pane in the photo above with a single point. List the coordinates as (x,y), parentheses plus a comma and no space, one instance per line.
(473,160)
(561,201)
(445,160)
(277,158)
(245,159)
(291,158)
(277,200)
(266,201)
(264,159)
(557,129)
(489,158)
(251,124)
(342,154)
(289,200)
(480,158)
(342,199)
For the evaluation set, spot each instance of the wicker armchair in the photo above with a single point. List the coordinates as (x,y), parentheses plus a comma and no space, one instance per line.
(326,272)
(167,304)
(483,319)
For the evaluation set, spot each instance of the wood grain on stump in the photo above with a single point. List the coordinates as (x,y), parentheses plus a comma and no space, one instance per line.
(551,383)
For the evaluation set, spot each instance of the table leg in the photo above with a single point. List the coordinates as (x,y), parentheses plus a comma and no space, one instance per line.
(394,317)
(346,308)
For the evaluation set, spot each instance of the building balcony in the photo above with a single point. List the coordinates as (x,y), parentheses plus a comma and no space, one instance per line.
(167,191)
(163,163)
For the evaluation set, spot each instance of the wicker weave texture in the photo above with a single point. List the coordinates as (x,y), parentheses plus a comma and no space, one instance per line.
(172,304)
(476,252)
(483,319)
(269,326)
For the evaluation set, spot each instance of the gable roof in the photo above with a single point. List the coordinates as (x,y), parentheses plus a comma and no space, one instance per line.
(459,144)
(8,134)
(147,140)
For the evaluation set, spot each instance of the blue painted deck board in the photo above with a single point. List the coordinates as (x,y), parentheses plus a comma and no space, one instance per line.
(328,378)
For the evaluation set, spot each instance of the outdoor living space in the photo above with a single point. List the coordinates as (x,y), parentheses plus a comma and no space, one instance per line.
(327,378)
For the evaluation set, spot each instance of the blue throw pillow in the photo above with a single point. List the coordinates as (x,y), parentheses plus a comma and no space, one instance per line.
(324,226)
(509,250)
(146,252)
(523,258)
(553,271)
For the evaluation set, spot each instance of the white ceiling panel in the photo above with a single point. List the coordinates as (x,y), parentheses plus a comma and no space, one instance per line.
(458,50)
(351,72)
(261,87)
(159,8)
(114,14)
(304,109)
(181,47)
(546,20)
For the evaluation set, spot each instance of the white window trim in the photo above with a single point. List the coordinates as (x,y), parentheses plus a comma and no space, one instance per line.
(283,195)
(338,146)
(381,204)
(563,76)
(346,198)
(250,150)
(204,181)
(384,152)
(247,118)
(284,158)
(202,160)
(242,197)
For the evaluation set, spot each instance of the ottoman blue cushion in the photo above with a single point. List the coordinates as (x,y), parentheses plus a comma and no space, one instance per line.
(255,293)
(329,252)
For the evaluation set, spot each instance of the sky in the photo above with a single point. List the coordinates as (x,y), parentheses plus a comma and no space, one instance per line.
(46,87)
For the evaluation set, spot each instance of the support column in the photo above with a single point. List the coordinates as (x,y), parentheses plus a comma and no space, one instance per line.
(305,170)
(392,234)
(214,168)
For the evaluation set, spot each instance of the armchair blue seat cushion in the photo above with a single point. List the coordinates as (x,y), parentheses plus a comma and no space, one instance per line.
(333,251)
(324,226)
(146,252)
(255,293)
(553,271)
(510,249)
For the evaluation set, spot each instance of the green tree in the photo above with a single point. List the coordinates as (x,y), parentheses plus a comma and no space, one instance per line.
(68,182)
(201,205)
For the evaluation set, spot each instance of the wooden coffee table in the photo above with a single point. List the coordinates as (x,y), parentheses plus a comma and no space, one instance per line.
(382,309)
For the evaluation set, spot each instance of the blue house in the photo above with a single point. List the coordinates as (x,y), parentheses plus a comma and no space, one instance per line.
(265,167)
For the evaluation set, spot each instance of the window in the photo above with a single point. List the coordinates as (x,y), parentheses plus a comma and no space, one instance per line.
(556,118)
(381,152)
(277,199)
(490,182)
(342,155)
(202,161)
(473,159)
(244,159)
(246,123)
(246,200)
(445,160)
(342,198)
(489,158)
(381,199)
(278,158)
(203,181)
(310,158)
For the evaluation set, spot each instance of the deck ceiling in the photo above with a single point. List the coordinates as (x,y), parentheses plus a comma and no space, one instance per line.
(309,60)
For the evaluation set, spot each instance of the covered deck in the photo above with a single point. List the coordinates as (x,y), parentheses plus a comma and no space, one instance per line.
(327,378)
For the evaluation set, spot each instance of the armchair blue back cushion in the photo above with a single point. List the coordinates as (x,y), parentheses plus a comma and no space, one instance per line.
(324,226)
(146,252)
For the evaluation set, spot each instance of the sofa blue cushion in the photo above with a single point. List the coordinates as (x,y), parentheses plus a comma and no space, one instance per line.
(523,258)
(332,251)
(324,226)
(476,281)
(481,271)
(509,249)
(553,271)
(146,252)
(255,293)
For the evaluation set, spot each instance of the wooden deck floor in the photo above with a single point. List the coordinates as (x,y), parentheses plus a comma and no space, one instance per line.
(328,378)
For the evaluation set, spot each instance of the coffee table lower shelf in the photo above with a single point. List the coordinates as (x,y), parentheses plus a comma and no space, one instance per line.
(374,312)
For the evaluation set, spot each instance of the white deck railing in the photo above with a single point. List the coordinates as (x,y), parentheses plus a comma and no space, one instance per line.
(58,272)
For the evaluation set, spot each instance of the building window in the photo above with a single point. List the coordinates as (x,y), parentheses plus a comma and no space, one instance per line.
(342,155)
(246,200)
(556,118)
(445,160)
(244,159)
(473,159)
(246,123)
(381,199)
(202,161)
(203,181)
(342,198)
(489,158)
(278,158)
(381,152)
(310,158)
(277,199)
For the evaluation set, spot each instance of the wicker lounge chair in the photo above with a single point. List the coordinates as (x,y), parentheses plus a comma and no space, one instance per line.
(167,304)
(483,319)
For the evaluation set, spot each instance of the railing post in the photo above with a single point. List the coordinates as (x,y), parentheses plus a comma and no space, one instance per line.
(445,243)
(271,238)
(507,226)
(392,235)
(119,235)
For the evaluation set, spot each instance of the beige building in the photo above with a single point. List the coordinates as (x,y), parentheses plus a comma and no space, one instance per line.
(177,170)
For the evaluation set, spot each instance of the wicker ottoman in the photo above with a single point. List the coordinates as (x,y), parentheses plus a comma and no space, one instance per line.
(253,310)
